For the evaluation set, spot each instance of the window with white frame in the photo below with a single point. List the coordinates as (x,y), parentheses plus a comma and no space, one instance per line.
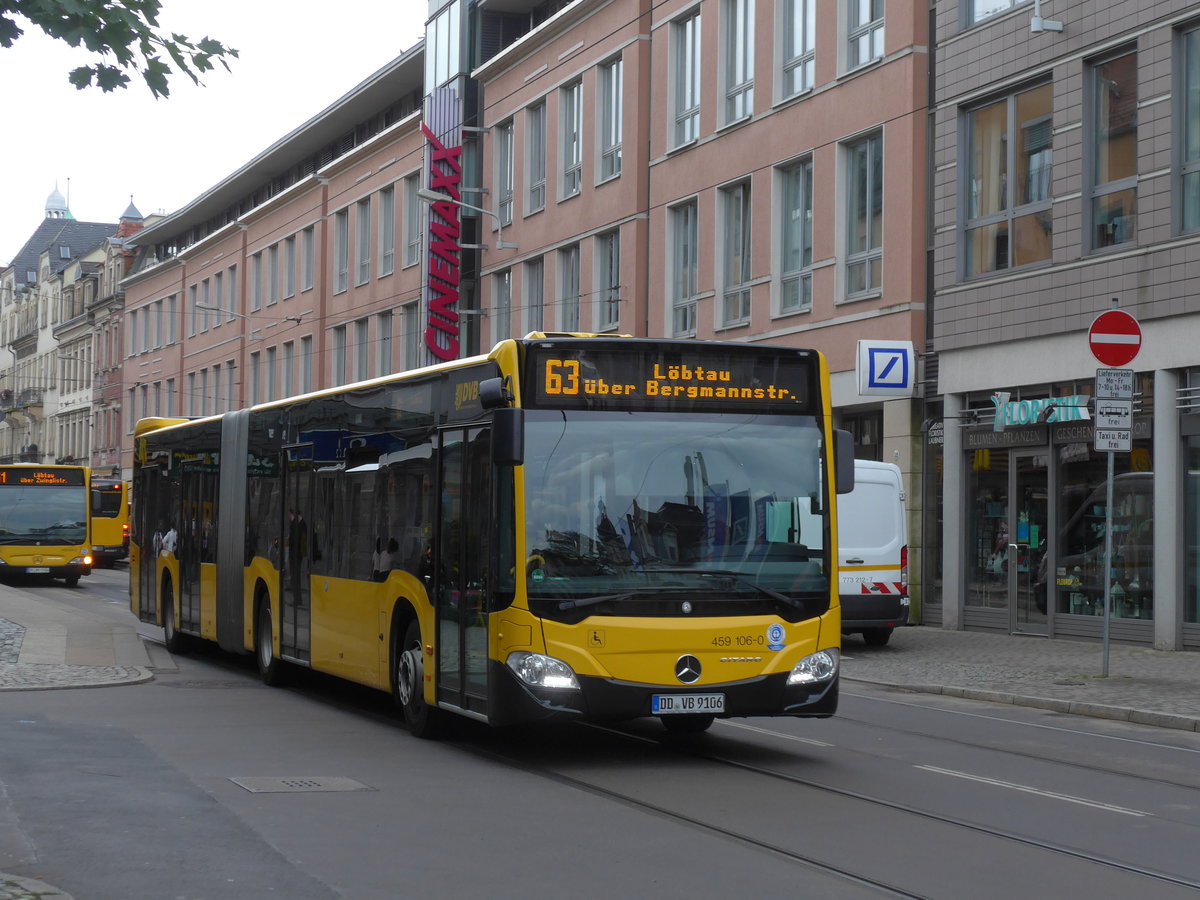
(1009,221)
(608,280)
(504,172)
(231,296)
(535,157)
(272,274)
(256,282)
(308,253)
(193,402)
(795,230)
(864,216)
(383,343)
(501,304)
(738,62)
(218,298)
(685,235)
(685,94)
(387,230)
(978,10)
(864,32)
(272,373)
(205,309)
(362,347)
(799,51)
(306,364)
(1113,146)
(571,116)
(412,220)
(410,317)
(193,302)
(231,401)
(535,287)
(172,317)
(735,253)
(218,398)
(289,368)
(255,378)
(362,244)
(568,288)
(610,111)
(289,266)
(337,371)
(158,324)
(341,250)
(1189,131)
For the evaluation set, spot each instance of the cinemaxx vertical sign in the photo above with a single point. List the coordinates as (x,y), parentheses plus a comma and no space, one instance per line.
(445,250)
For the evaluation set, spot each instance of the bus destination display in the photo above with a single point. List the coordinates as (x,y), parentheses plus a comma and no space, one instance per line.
(11,475)
(646,379)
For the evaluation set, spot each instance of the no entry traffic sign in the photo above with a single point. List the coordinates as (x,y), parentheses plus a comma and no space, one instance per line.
(1115,338)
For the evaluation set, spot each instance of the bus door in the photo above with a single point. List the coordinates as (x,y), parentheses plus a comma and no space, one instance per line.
(460,588)
(148,532)
(295,636)
(191,535)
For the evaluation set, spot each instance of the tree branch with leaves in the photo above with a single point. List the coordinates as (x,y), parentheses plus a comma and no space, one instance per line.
(125,33)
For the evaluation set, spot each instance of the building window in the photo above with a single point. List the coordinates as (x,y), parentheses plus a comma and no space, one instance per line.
(205,309)
(608,280)
(864,215)
(799,45)
(412,220)
(289,368)
(611,110)
(685,47)
(337,373)
(230,387)
(362,346)
(308,252)
(410,323)
(289,267)
(306,364)
(158,320)
(568,280)
(256,282)
(216,389)
(864,32)
(504,173)
(502,304)
(1114,151)
(572,138)
(194,303)
(341,250)
(684,240)
(387,231)
(1190,143)
(535,294)
(256,395)
(978,10)
(535,118)
(738,59)
(272,374)
(193,402)
(362,244)
(1009,220)
(383,343)
(272,275)
(795,289)
(231,295)
(172,317)
(735,254)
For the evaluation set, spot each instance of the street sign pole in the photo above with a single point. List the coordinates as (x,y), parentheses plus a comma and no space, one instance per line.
(1114,339)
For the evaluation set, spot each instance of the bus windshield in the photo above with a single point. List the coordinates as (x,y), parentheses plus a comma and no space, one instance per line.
(43,514)
(690,506)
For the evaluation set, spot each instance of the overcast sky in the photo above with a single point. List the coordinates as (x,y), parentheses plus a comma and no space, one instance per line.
(297,57)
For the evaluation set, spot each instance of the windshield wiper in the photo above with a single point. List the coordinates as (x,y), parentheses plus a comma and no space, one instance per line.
(592,601)
(738,577)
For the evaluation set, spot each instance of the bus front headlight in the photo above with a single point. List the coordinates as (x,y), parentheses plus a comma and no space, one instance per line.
(538,670)
(815,668)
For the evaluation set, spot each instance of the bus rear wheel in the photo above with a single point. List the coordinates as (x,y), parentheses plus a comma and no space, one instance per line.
(270,667)
(409,685)
(686,724)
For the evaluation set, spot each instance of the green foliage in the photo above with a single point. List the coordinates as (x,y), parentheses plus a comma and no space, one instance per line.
(124,33)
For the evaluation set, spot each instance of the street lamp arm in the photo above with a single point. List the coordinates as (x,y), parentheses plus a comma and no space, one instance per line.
(430,196)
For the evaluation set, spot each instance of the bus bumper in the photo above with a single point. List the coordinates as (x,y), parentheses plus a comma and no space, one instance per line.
(602,699)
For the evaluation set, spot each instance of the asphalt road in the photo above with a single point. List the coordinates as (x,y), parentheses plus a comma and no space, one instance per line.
(203,783)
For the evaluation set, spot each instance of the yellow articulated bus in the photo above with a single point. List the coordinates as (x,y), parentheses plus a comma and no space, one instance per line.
(109,520)
(571,527)
(44,522)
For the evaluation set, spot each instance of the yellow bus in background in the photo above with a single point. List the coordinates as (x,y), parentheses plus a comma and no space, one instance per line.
(44,522)
(110,520)
(570,527)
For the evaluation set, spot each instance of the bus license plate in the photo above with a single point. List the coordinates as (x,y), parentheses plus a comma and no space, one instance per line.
(667,704)
(37,570)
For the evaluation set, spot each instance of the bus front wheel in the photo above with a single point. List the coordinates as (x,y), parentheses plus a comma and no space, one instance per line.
(409,685)
(172,639)
(270,667)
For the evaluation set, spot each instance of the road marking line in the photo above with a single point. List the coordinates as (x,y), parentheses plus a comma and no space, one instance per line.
(1031,790)
(777,734)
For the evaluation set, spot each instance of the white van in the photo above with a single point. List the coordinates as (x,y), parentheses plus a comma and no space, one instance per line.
(873,553)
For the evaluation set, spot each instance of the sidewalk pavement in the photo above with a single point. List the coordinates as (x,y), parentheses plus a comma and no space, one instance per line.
(45,644)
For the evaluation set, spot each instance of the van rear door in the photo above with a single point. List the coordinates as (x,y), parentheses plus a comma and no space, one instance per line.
(873,553)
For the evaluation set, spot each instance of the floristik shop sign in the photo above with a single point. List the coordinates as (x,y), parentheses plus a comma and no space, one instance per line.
(1029,412)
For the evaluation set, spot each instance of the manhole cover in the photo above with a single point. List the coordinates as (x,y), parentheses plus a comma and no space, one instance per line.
(299,785)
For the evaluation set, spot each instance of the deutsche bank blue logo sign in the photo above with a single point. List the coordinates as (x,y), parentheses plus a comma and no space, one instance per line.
(885,368)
